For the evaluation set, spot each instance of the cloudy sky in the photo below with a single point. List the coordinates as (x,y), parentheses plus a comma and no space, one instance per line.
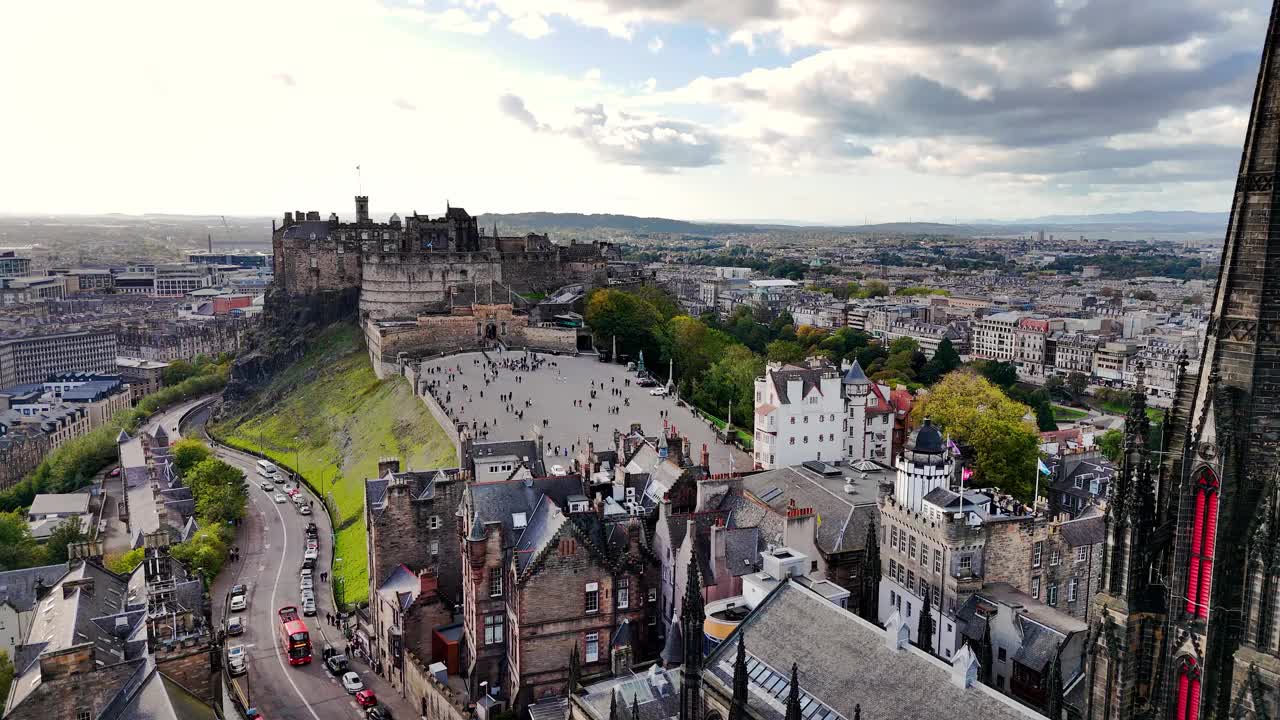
(808,110)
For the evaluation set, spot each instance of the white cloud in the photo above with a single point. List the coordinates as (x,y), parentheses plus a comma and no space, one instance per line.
(592,75)
(530,25)
(650,85)
(655,44)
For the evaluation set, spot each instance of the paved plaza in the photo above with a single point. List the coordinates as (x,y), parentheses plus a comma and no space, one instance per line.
(552,389)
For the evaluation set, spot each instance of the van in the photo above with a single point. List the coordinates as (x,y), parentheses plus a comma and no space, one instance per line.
(268,470)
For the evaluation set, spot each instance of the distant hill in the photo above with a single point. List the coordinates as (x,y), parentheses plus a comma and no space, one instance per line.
(631,223)
(1182,218)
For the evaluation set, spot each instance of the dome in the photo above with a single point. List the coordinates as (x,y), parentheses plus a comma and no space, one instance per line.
(928,439)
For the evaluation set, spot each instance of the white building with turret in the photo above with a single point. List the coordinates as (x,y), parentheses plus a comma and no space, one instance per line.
(799,414)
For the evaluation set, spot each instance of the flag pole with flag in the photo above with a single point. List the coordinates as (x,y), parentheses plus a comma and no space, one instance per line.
(1041,469)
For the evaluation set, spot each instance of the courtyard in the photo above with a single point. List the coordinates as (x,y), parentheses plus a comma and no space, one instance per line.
(559,391)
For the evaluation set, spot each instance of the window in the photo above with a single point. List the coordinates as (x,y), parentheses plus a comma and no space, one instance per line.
(911,580)
(793,420)
(494,629)
(966,563)
(999,682)
(937,561)
(924,555)
(893,538)
(495,582)
(1036,553)
(1035,587)
(806,419)
(653,595)
(593,647)
(1072,584)
(924,590)
(913,547)
(435,548)
(1000,655)
(1188,707)
(592,601)
(937,597)
(908,608)
(1051,594)
(624,593)
(82,714)
(1204,522)
(434,522)
(1055,558)
(1082,553)
(893,568)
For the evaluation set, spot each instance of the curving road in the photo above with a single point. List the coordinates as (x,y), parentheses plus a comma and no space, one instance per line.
(271,541)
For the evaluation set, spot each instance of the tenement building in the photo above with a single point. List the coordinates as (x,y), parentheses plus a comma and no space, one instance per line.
(1187,624)
(33,359)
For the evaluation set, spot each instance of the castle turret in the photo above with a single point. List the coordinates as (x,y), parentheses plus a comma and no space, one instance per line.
(362,209)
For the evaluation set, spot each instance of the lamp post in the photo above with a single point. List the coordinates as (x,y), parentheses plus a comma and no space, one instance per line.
(339,583)
(297,457)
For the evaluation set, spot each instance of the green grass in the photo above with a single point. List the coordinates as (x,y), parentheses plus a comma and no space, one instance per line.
(329,417)
(744,437)
(1066,414)
(1155,415)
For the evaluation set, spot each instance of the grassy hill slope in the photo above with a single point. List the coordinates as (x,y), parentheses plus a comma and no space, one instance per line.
(329,417)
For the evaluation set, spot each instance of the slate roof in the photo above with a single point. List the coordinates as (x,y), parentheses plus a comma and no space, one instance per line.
(843,516)
(18,587)
(844,661)
(809,378)
(742,550)
(402,585)
(519,448)
(1089,530)
(304,230)
(544,525)
(855,376)
(496,502)
(927,439)
(162,698)
(656,692)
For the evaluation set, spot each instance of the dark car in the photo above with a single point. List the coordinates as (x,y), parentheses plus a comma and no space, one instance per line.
(238,589)
(378,713)
(337,664)
(309,563)
(312,529)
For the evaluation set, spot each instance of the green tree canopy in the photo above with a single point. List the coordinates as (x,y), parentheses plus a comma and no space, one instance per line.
(975,412)
(786,351)
(731,377)
(125,564)
(189,452)
(17,548)
(1077,383)
(67,532)
(6,676)
(944,360)
(614,313)
(1111,444)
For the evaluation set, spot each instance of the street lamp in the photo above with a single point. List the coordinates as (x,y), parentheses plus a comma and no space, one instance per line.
(297,458)
(339,583)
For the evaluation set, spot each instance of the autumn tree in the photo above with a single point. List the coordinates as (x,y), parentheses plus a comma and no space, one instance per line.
(975,412)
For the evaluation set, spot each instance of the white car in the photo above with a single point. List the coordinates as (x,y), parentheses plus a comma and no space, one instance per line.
(304,509)
(659,391)
(311,554)
(558,470)
(266,486)
(238,603)
(308,595)
(351,683)
(305,583)
(308,606)
(236,657)
(306,573)
(279,499)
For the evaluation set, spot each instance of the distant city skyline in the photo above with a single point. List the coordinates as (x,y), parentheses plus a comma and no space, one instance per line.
(844,112)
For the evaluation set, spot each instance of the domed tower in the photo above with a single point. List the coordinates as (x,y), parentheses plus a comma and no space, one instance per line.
(925,465)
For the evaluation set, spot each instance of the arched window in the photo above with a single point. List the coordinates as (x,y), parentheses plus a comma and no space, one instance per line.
(1204,525)
(1188,707)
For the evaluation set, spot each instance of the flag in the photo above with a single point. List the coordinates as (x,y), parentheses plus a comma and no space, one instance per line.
(966,474)
(951,445)
(1040,466)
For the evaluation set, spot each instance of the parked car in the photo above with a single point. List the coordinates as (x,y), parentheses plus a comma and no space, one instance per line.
(238,603)
(336,664)
(235,625)
(351,683)
(308,595)
(308,606)
(236,658)
(304,509)
(312,529)
(279,499)
(305,572)
(660,391)
(312,553)
(239,589)
(558,470)
(308,563)
(305,583)
(366,699)
(115,471)
(378,713)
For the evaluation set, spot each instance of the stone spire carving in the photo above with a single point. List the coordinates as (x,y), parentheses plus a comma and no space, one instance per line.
(738,704)
(793,696)
(692,615)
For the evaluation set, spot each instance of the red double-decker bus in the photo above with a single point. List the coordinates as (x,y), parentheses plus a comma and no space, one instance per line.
(294,637)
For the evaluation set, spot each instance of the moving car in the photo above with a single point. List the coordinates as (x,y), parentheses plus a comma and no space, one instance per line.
(366,699)
(304,509)
(279,499)
(378,713)
(336,664)
(266,486)
(308,606)
(351,683)
(238,603)
(236,657)
(239,589)
(660,391)
(115,472)
(235,625)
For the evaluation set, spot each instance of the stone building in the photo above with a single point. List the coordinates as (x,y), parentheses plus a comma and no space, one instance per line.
(21,450)
(181,340)
(547,574)
(870,418)
(1074,353)
(32,359)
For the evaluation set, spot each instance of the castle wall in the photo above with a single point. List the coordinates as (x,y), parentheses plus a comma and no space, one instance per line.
(403,285)
(533,271)
(305,268)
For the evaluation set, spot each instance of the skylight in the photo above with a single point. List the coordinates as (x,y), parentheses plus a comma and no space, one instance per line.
(519,520)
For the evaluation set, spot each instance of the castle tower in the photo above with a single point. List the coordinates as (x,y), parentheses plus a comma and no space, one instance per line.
(926,464)
(1130,611)
(856,387)
(362,209)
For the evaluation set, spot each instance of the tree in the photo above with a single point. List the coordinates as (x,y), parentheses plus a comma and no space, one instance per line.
(177,371)
(126,563)
(614,313)
(1111,444)
(693,346)
(204,553)
(661,301)
(874,288)
(732,377)
(1054,385)
(944,360)
(1004,374)
(976,412)
(6,676)
(221,504)
(17,548)
(67,532)
(924,630)
(188,452)
(1045,419)
(904,344)
(1077,383)
(1147,295)
(786,351)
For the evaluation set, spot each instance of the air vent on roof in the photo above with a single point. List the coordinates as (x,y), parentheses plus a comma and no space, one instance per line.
(770,495)
(822,468)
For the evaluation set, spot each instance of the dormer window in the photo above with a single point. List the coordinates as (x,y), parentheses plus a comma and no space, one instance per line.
(578,506)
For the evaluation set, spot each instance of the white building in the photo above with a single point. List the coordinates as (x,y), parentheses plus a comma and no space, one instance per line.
(869,418)
(799,414)
(995,336)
